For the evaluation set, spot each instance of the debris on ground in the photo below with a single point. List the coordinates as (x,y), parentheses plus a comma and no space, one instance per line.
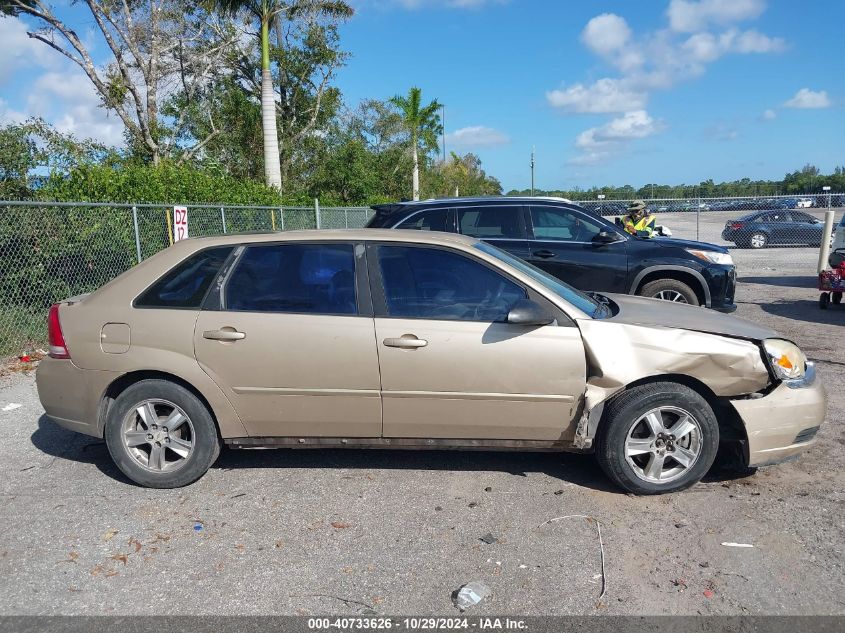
(472,504)
(438,508)
(597,523)
(470,594)
(109,535)
(489,539)
(340,525)
(727,544)
(12,406)
(488,489)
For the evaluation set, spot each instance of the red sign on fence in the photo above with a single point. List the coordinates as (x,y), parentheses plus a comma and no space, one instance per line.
(180,223)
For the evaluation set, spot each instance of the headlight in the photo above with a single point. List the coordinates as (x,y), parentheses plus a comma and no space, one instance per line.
(712,256)
(787,361)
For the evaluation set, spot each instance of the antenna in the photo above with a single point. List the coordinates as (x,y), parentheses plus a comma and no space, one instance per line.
(532,169)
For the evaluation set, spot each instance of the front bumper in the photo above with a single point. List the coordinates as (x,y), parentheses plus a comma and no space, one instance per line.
(721,281)
(783,423)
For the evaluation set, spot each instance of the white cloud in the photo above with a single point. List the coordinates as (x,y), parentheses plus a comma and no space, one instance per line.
(68,100)
(605,95)
(606,33)
(601,143)
(809,99)
(705,47)
(476,136)
(21,52)
(7,115)
(769,115)
(689,16)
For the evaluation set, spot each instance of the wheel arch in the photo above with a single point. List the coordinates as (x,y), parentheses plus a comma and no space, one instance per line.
(122,383)
(689,276)
(733,437)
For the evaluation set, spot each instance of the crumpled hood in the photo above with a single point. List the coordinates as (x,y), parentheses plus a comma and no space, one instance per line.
(657,313)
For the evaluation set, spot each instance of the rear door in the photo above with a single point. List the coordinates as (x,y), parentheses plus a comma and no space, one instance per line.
(289,338)
(563,246)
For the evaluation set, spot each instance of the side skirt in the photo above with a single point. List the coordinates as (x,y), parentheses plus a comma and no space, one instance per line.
(408,443)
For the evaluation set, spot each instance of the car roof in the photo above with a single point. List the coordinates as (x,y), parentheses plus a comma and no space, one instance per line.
(332,235)
(393,207)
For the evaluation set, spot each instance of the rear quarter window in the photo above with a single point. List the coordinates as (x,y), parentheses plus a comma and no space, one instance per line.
(185,285)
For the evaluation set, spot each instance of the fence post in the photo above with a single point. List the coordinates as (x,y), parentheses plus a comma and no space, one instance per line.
(697,219)
(223,218)
(824,251)
(282,218)
(317,212)
(346,218)
(137,234)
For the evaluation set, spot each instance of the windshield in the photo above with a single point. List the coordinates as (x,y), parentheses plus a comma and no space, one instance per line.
(580,300)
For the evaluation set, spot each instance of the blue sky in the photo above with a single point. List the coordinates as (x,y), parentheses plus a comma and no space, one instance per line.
(609,92)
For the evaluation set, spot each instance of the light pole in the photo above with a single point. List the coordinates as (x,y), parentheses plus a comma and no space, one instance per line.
(532,170)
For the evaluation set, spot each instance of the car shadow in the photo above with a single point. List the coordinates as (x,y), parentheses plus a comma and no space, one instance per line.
(52,439)
(805,310)
(571,468)
(783,281)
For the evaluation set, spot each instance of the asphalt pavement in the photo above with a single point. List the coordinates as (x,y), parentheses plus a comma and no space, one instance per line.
(358,532)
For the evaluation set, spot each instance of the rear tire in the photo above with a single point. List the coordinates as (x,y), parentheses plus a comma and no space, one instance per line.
(837,298)
(670,290)
(161,435)
(657,438)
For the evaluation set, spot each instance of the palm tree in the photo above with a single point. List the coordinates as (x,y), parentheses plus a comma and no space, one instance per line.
(269,13)
(423,123)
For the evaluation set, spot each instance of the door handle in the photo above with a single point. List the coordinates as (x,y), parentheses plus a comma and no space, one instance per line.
(229,334)
(544,254)
(406,341)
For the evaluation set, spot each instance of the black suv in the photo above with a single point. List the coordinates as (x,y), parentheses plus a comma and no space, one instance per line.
(578,246)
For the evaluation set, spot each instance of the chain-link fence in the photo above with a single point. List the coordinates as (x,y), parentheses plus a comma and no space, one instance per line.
(51,251)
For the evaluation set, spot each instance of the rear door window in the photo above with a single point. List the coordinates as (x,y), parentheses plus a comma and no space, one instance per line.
(493,222)
(185,285)
(432,220)
(295,278)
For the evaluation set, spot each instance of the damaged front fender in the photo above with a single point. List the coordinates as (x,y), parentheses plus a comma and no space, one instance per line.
(619,354)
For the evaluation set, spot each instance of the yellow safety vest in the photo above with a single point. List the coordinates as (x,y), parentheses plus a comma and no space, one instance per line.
(645,223)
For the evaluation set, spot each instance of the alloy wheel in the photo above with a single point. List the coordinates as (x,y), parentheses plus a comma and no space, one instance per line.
(671,295)
(158,435)
(663,444)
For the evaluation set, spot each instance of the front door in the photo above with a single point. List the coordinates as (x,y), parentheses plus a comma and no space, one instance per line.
(292,345)
(451,366)
(563,246)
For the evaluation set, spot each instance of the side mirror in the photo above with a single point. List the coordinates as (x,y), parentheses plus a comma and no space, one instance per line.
(617,221)
(605,237)
(527,312)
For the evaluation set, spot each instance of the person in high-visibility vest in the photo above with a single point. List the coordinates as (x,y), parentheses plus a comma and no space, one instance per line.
(639,221)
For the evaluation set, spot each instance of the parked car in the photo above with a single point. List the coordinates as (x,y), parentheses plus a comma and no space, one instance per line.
(409,339)
(804,203)
(771,228)
(584,250)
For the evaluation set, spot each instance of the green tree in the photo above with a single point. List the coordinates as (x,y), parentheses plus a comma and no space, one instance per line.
(460,175)
(270,13)
(423,125)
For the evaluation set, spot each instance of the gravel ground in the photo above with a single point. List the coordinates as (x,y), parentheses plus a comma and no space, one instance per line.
(353,532)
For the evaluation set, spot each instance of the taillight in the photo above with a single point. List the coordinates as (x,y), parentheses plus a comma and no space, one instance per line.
(737,225)
(58,347)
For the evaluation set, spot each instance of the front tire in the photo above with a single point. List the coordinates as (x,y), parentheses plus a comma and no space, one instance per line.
(161,435)
(657,438)
(670,290)
(758,240)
